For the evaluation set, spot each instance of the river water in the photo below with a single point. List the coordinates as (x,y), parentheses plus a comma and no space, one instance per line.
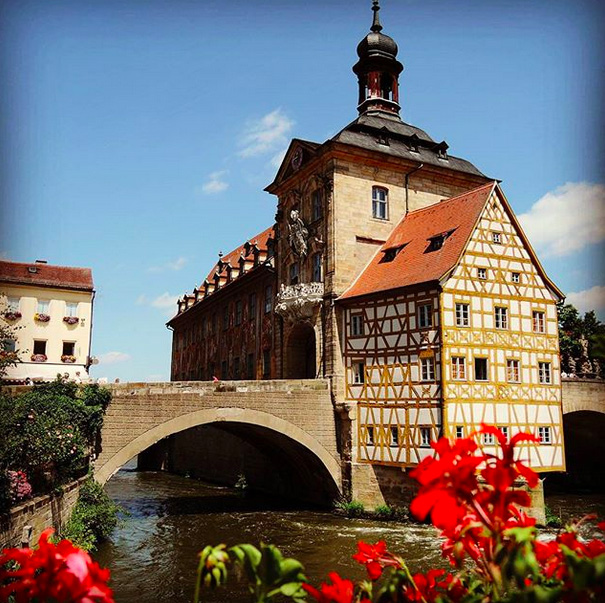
(152,555)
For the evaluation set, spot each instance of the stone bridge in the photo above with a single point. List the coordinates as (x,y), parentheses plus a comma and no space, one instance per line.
(292,420)
(583,395)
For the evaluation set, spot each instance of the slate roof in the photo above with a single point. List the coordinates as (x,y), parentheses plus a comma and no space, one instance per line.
(365,131)
(46,275)
(414,264)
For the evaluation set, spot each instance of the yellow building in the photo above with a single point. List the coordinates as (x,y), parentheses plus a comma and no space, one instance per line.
(50,310)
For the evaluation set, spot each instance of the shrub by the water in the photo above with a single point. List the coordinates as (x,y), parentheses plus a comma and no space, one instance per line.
(93,518)
(351,508)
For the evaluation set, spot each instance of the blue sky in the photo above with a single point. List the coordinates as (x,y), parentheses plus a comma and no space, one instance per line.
(137,137)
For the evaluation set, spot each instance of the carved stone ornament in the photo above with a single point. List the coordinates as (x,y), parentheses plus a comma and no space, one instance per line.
(297,302)
(298,236)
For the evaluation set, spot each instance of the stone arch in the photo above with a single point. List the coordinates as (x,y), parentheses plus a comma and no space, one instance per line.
(219,415)
(301,352)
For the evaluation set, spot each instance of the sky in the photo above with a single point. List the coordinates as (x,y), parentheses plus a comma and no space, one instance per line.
(137,136)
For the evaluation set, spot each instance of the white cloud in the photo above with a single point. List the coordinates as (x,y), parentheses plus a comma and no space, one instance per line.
(589,299)
(216,183)
(567,219)
(165,301)
(113,357)
(175,265)
(141,300)
(278,158)
(266,135)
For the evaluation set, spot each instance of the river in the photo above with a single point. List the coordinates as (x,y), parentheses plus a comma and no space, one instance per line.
(152,555)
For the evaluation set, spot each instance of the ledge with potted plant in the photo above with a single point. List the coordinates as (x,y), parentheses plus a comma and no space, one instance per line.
(39,317)
(71,320)
(39,357)
(68,358)
(12,315)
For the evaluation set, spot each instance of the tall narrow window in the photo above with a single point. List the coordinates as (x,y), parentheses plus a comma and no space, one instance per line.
(294,273)
(238,312)
(380,203)
(394,443)
(268,299)
(462,315)
(316,204)
(266,364)
(481,369)
(359,372)
(512,371)
(316,263)
(427,369)
(544,372)
(226,318)
(504,431)
(69,348)
(370,435)
(425,316)
(356,324)
(252,306)
(425,437)
(538,321)
(236,368)
(224,374)
(501,317)
(250,367)
(459,431)
(458,368)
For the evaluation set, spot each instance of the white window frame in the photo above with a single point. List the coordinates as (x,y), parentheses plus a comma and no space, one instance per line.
(425,316)
(501,317)
(71,309)
(370,435)
(43,306)
(394,436)
(488,439)
(380,206)
(458,368)
(463,314)
(459,431)
(357,325)
(545,434)
(515,277)
(425,437)
(544,373)
(538,321)
(513,370)
(427,369)
(504,431)
(482,273)
(497,238)
(13,304)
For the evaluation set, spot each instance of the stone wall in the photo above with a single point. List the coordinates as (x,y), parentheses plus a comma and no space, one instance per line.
(24,524)
(583,394)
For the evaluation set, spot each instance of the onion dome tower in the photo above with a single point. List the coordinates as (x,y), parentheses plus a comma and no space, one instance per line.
(378,71)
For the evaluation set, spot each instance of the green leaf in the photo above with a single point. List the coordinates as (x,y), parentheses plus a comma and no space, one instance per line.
(291,570)
(248,557)
(292,589)
(269,566)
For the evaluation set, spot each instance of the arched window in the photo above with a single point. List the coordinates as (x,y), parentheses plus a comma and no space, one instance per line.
(380,203)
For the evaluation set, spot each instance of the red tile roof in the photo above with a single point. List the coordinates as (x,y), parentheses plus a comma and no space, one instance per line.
(233,256)
(46,275)
(414,264)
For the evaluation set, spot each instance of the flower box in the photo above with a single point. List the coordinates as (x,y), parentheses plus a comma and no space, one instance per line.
(68,359)
(39,358)
(12,315)
(41,317)
(71,320)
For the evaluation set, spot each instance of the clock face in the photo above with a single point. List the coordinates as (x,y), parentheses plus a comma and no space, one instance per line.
(297,158)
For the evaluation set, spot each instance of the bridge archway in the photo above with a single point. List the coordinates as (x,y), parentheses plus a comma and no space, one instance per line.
(299,447)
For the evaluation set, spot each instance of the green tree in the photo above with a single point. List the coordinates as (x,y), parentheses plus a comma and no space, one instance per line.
(572,327)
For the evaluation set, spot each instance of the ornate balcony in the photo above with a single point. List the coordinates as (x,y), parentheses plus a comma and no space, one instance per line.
(297,302)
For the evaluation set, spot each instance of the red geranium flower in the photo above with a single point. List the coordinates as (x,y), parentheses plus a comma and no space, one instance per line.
(340,591)
(61,573)
(375,557)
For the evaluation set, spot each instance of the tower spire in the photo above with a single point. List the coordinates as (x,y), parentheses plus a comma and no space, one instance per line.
(378,71)
(376,26)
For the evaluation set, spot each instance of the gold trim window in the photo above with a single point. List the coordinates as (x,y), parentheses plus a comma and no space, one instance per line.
(513,371)
(544,373)
(370,435)
(545,434)
(501,317)
(481,372)
(458,368)
(462,315)
(538,321)
(394,431)
(359,372)
(425,437)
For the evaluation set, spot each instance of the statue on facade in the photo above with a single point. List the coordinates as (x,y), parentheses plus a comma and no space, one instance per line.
(298,235)
(584,360)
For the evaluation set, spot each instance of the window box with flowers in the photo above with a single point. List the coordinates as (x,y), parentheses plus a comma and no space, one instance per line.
(39,357)
(12,315)
(39,317)
(68,358)
(71,320)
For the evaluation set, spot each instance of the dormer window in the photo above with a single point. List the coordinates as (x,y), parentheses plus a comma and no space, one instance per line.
(390,254)
(436,242)
(441,150)
(413,143)
(270,247)
(383,137)
(380,203)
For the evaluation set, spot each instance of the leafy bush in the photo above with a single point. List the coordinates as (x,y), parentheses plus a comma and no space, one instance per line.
(47,432)
(352,508)
(552,519)
(94,517)
(389,512)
